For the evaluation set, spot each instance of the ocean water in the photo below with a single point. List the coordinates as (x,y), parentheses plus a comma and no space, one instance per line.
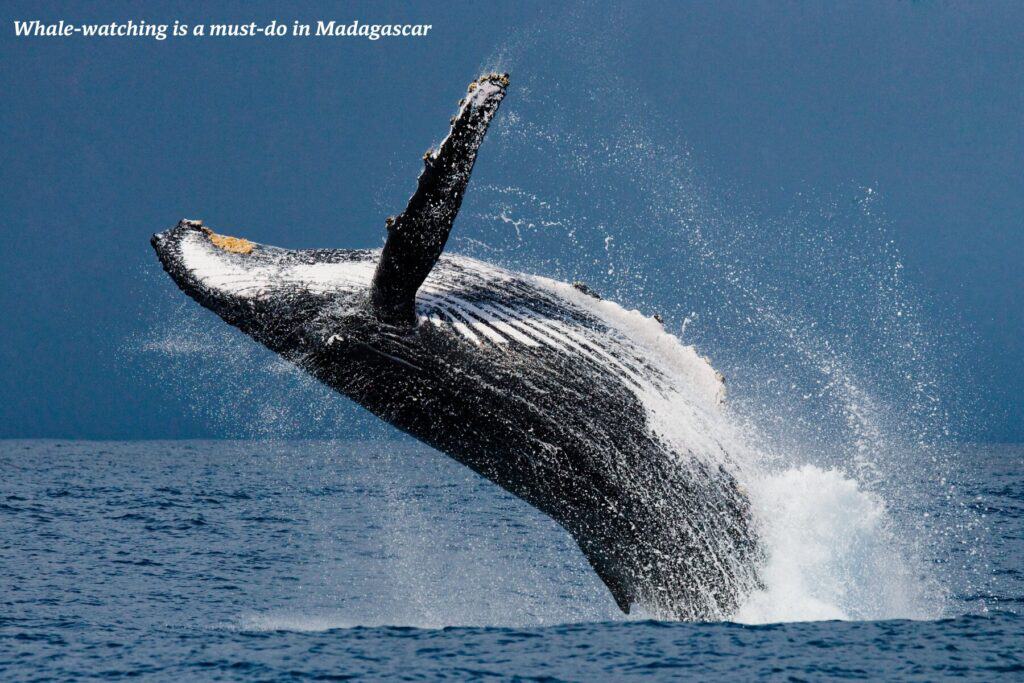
(293,560)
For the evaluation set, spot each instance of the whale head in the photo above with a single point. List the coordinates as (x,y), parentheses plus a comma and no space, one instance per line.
(269,293)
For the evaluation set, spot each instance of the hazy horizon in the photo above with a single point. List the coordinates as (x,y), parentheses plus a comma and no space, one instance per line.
(787,112)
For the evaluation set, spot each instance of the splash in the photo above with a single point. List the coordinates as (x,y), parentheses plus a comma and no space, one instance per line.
(836,378)
(834,412)
(831,545)
(832,554)
(237,388)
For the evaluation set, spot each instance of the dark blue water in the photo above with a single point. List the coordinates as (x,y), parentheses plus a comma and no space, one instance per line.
(327,561)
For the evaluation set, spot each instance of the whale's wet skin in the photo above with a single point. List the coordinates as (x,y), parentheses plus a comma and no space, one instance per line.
(537,385)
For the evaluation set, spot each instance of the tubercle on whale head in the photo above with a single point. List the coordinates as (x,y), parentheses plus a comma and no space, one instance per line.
(272,294)
(236,245)
(171,248)
(221,273)
(166,244)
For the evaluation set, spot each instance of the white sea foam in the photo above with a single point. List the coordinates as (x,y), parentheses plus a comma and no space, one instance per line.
(829,545)
(834,416)
(314,623)
(834,546)
(831,553)
(830,548)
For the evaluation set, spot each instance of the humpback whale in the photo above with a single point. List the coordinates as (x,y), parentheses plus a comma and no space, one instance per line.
(540,386)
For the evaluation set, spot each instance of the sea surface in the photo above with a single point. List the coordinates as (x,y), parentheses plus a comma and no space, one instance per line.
(301,560)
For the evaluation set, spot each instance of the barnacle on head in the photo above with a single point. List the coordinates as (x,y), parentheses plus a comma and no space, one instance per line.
(235,245)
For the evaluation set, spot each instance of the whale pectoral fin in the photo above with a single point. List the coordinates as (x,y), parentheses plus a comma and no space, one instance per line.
(417,236)
(606,569)
(618,591)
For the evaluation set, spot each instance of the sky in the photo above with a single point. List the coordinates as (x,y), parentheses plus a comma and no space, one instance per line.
(767,121)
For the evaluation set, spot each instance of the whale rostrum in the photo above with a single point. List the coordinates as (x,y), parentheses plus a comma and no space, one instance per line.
(592,414)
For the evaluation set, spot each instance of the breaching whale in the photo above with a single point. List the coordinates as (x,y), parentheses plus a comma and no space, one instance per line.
(540,386)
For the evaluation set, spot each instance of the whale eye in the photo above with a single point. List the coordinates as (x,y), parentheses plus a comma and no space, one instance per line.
(235,245)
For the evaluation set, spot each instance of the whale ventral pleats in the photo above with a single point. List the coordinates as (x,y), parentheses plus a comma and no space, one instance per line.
(417,236)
